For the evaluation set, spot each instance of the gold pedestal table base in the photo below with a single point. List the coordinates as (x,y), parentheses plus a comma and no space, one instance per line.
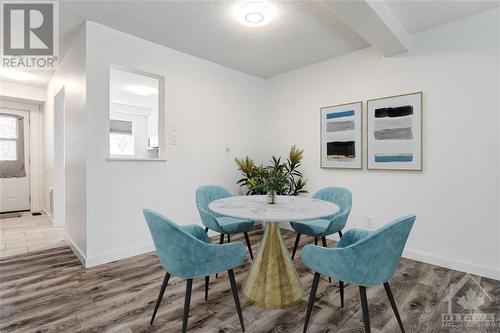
(273,282)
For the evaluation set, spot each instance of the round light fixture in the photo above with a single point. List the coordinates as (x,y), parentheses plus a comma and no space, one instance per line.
(14,74)
(254,13)
(254,18)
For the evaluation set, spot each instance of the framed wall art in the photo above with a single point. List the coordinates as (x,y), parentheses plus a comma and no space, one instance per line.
(394,132)
(341,138)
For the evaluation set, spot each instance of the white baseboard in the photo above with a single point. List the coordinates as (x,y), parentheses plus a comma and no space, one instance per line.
(126,253)
(452,264)
(436,260)
(76,250)
(119,254)
(58,222)
(408,253)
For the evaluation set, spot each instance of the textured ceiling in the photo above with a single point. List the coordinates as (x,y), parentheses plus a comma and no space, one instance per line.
(301,34)
(207,29)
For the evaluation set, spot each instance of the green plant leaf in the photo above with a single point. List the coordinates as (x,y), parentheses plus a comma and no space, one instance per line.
(282,177)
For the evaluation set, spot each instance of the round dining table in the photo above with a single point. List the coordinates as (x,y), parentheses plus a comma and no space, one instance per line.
(272,281)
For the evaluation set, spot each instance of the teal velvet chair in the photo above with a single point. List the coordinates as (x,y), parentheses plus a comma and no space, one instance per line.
(222,224)
(320,228)
(362,258)
(187,252)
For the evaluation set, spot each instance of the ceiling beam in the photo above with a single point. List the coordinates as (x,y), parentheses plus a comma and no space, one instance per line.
(329,18)
(374,22)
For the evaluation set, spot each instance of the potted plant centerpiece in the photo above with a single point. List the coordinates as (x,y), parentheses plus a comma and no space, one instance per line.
(274,181)
(279,178)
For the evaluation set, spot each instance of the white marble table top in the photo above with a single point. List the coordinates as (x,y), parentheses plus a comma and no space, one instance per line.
(287,208)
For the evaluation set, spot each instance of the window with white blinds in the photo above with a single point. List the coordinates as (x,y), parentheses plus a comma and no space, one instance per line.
(121,138)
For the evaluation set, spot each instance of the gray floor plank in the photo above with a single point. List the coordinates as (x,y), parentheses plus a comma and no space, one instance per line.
(49,291)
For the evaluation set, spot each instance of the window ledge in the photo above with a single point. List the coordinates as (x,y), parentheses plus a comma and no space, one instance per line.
(116,158)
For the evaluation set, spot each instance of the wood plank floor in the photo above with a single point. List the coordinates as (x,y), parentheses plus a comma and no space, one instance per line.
(49,291)
(28,234)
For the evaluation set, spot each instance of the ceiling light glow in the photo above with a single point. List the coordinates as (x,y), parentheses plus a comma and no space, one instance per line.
(140,90)
(15,74)
(254,18)
(254,13)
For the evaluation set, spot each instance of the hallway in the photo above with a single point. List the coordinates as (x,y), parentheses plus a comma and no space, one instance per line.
(26,234)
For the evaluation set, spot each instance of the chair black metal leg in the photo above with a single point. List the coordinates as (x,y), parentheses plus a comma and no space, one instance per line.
(221,241)
(364,307)
(340,234)
(206,230)
(323,239)
(315,241)
(295,246)
(341,284)
(248,244)
(234,289)
(160,296)
(187,301)
(394,306)
(228,239)
(207,281)
(314,289)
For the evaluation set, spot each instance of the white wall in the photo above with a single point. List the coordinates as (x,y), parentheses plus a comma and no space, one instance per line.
(70,75)
(456,197)
(34,95)
(208,105)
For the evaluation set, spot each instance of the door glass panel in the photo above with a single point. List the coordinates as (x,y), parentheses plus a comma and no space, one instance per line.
(8,150)
(8,138)
(8,128)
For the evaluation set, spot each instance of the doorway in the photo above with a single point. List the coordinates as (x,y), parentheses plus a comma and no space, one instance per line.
(58,196)
(14,160)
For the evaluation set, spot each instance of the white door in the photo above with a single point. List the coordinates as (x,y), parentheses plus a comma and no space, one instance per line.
(14,191)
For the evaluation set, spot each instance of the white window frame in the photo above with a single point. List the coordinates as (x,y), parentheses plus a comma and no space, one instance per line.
(161,116)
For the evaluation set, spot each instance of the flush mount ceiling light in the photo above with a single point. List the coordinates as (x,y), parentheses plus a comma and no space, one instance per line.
(15,74)
(140,90)
(254,13)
